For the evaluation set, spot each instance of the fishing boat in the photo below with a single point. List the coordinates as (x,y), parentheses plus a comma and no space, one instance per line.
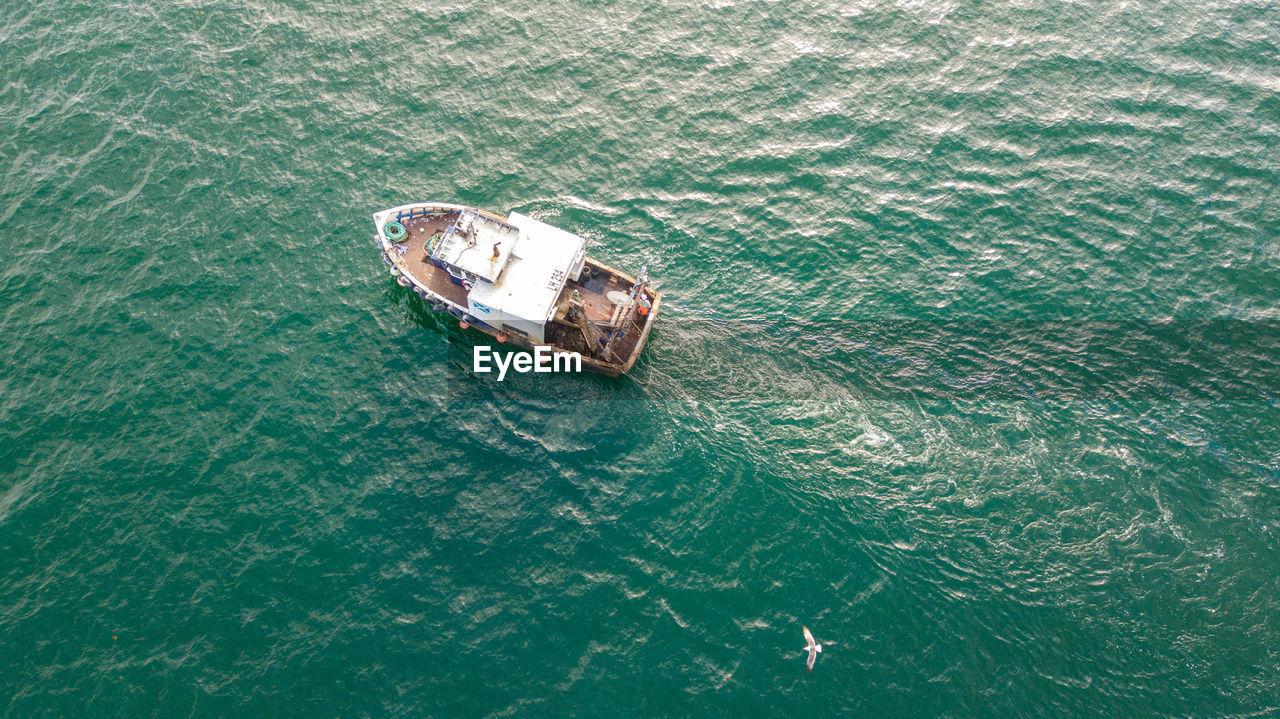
(519,280)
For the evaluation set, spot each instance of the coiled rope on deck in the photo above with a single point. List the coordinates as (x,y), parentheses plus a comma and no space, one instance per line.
(394,231)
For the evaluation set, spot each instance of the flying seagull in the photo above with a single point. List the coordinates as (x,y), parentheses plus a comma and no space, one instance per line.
(811,646)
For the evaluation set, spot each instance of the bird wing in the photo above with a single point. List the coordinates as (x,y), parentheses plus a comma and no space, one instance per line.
(813,656)
(808,638)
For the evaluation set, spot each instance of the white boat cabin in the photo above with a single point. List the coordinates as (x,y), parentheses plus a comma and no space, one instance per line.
(514,271)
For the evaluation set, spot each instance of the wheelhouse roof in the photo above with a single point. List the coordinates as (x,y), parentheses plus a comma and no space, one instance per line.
(540,265)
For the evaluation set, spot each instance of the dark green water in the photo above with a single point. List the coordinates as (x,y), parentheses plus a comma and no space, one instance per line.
(968,361)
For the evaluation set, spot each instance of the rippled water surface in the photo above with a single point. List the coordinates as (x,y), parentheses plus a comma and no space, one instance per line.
(967,361)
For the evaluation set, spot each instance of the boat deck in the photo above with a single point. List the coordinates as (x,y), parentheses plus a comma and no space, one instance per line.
(418,263)
(599,310)
(594,295)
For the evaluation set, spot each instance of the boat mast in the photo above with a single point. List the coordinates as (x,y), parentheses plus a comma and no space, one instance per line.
(641,280)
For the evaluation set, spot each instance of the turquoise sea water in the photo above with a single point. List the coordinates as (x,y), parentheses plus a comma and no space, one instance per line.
(967,361)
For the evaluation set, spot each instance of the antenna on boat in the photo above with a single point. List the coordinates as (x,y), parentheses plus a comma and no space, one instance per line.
(642,279)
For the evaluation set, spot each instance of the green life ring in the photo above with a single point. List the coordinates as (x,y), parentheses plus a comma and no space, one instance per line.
(394,231)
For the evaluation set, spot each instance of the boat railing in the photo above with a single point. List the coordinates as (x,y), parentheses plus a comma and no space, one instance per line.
(415,212)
